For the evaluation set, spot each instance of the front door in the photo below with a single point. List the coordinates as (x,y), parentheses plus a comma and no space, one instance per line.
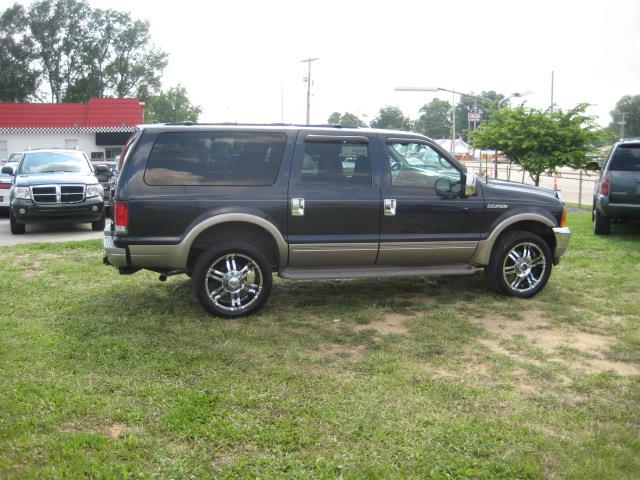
(427,219)
(334,202)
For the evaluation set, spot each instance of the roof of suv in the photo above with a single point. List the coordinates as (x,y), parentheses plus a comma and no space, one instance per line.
(326,128)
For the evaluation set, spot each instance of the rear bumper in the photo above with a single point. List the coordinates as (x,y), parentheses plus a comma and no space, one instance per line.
(608,209)
(563,235)
(28,212)
(114,256)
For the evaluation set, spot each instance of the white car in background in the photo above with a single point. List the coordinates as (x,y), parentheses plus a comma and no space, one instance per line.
(6,182)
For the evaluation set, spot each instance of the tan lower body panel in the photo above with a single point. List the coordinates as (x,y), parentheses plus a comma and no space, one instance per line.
(425,253)
(322,254)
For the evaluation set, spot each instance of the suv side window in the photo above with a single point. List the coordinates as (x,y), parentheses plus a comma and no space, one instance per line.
(215,158)
(335,163)
(419,165)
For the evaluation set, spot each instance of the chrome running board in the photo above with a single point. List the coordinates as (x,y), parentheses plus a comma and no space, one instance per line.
(375,271)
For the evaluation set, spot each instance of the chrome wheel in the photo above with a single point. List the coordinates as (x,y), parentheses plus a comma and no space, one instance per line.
(524,267)
(233,282)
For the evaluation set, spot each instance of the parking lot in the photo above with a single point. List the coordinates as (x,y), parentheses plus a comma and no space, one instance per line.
(46,233)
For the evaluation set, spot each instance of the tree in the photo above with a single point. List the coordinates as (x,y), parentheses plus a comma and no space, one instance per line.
(18,79)
(435,121)
(346,119)
(77,51)
(171,106)
(392,118)
(539,140)
(630,106)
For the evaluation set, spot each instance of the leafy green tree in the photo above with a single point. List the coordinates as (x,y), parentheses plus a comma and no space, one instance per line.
(539,140)
(392,118)
(171,106)
(77,51)
(347,119)
(18,79)
(435,121)
(630,106)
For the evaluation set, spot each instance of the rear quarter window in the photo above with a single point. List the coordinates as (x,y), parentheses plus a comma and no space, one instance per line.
(626,159)
(215,158)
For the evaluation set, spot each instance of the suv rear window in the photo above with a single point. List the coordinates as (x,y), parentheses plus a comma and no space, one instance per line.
(626,158)
(215,158)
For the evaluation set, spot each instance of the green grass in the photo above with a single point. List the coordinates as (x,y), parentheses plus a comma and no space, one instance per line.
(107,376)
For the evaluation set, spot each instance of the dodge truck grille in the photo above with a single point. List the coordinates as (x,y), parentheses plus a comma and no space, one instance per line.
(58,193)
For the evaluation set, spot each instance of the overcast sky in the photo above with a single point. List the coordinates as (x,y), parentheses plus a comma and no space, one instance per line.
(240,60)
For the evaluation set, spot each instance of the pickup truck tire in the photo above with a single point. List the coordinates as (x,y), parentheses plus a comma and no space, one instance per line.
(601,224)
(16,228)
(98,225)
(520,265)
(232,279)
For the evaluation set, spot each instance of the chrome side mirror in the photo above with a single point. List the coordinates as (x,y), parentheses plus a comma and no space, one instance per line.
(470,183)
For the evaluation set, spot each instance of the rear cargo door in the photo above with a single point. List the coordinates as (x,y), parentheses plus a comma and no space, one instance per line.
(625,174)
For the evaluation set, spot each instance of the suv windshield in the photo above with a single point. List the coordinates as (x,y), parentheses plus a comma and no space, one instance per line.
(43,162)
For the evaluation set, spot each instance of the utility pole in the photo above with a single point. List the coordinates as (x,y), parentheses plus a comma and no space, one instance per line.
(551,108)
(453,124)
(622,123)
(308,80)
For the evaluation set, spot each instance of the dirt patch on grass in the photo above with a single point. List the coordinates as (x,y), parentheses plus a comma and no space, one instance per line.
(552,339)
(389,324)
(115,430)
(341,351)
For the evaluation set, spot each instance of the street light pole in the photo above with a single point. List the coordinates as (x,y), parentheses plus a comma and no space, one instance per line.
(453,110)
(309,60)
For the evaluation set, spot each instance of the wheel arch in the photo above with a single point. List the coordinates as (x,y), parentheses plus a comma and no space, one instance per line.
(250,228)
(530,222)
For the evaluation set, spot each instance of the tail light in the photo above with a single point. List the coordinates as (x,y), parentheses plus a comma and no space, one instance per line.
(604,184)
(121,216)
(563,217)
(5,185)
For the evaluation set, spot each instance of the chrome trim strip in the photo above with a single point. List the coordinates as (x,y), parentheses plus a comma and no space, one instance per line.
(624,205)
(483,252)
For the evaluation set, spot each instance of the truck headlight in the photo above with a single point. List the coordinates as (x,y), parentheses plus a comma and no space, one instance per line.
(95,190)
(22,192)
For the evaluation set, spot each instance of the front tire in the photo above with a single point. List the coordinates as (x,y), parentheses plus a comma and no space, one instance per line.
(98,225)
(520,265)
(601,224)
(232,279)
(16,228)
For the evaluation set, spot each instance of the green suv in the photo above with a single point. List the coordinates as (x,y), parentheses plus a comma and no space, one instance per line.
(617,191)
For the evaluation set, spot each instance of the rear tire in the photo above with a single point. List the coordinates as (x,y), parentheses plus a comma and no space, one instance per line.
(98,225)
(601,224)
(16,228)
(520,265)
(232,279)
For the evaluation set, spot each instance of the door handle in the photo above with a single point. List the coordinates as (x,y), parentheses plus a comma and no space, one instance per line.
(389,207)
(297,207)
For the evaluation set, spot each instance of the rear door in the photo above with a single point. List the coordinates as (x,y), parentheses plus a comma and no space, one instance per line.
(624,168)
(334,202)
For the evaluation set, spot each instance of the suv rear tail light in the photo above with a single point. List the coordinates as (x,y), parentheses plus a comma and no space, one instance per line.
(120,216)
(5,185)
(604,184)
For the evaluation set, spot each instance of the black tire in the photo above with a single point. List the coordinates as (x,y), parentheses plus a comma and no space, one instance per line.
(526,276)
(16,228)
(601,224)
(98,225)
(251,290)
